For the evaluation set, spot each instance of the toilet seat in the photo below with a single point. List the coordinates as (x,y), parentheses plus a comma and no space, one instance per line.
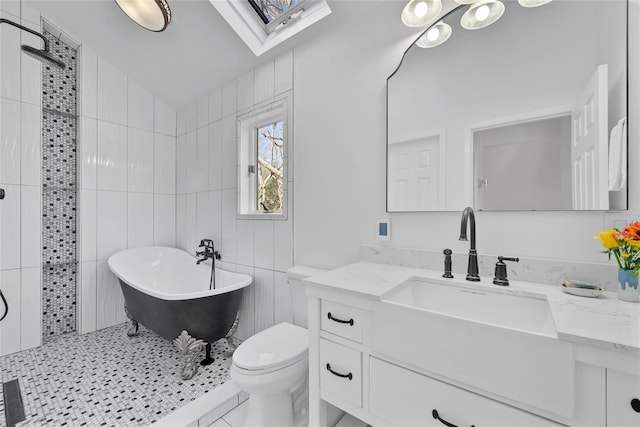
(273,349)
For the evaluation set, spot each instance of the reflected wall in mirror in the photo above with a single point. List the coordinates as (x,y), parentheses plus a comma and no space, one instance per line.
(526,114)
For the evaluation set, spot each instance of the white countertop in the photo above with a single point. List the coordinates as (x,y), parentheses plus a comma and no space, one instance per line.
(604,322)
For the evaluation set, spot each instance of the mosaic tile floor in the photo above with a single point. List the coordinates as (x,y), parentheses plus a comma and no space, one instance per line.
(106,379)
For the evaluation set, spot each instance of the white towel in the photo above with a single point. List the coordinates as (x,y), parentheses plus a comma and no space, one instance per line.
(618,156)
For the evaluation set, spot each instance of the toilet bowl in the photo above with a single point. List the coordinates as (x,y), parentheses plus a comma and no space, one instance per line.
(269,366)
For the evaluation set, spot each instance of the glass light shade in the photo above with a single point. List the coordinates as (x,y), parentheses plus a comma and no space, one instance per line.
(154,15)
(466,1)
(482,14)
(418,13)
(533,3)
(435,36)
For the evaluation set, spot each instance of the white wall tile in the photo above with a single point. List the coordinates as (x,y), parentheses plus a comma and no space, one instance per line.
(88,82)
(215,155)
(164,220)
(87,224)
(229,153)
(204,225)
(215,105)
(215,216)
(202,118)
(191,237)
(246,324)
(31,136)
(110,311)
(245,239)
(181,121)
(88,156)
(282,302)
(229,209)
(264,83)
(264,244)
(112,157)
(31,226)
(87,297)
(164,164)
(140,161)
(165,119)
(284,72)
(31,310)
(11,6)
(246,91)
(112,93)
(191,118)
(191,162)
(31,69)
(10,326)
(202,160)
(111,223)
(229,99)
(140,220)
(10,145)
(181,221)
(29,14)
(10,245)
(10,60)
(283,237)
(181,164)
(140,105)
(263,299)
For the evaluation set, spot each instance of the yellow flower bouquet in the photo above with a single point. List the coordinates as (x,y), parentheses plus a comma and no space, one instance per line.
(624,245)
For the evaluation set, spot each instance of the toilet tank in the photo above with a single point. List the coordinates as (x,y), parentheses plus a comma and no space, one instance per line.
(298,288)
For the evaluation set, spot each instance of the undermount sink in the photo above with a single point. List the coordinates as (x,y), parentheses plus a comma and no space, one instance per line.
(521,313)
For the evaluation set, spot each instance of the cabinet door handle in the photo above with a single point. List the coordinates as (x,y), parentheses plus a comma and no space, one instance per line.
(635,404)
(350,321)
(436,416)
(337,374)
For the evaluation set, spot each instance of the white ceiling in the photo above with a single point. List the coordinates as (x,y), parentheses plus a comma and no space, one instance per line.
(197,52)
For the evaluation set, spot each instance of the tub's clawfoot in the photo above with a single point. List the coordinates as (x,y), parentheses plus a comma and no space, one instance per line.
(190,348)
(230,334)
(133,328)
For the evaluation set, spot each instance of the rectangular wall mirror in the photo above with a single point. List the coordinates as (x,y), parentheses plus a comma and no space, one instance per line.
(526,114)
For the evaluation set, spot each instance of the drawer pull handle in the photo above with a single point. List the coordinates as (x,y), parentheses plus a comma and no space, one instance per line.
(635,404)
(350,321)
(436,416)
(337,374)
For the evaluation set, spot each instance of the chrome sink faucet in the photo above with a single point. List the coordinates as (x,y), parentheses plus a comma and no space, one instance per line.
(472,269)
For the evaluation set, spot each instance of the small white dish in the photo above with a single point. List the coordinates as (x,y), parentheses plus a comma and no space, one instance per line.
(581,289)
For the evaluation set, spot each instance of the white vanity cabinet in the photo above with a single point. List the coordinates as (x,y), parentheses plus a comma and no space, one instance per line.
(623,399)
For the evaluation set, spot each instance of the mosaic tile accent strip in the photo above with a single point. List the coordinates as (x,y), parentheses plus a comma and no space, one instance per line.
(105,378)
(59,190)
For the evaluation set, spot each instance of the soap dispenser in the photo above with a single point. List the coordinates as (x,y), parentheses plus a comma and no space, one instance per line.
(500,275)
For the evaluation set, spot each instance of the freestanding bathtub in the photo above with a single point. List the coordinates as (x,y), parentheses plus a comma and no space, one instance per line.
(166,291)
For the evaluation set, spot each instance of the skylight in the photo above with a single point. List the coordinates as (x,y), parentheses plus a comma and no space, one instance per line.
(263,24)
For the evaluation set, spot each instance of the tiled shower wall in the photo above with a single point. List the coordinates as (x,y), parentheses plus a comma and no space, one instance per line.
(20,176)
(127,180)
(59,191)
(207,155)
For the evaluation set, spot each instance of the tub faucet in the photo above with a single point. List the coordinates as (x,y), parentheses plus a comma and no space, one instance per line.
(472,269)
(209,252)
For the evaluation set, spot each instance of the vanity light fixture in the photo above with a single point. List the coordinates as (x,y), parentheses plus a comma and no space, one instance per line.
(533,3)
(418,13)
(481,14)
(154,15)
(435,36)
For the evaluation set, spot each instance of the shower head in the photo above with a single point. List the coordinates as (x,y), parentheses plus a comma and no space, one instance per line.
(44,56)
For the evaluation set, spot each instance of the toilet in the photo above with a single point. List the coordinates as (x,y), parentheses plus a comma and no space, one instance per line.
(272,366)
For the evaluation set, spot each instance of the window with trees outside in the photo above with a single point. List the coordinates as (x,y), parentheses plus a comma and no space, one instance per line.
(277,12)
(263,159)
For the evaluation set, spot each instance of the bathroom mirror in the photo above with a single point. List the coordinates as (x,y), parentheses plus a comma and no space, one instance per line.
(515,116)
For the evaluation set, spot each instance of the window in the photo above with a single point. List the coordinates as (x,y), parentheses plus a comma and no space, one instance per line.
(263,161)
(276,12)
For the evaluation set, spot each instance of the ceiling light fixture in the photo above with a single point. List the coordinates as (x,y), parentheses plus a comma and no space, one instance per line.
(435,36)
(533,3)
(154,15)
(418,13)
(482,14)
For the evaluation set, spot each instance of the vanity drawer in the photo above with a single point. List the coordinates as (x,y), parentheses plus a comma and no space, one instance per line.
(340,372)
(623,399)
(405,398)
(342,320)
